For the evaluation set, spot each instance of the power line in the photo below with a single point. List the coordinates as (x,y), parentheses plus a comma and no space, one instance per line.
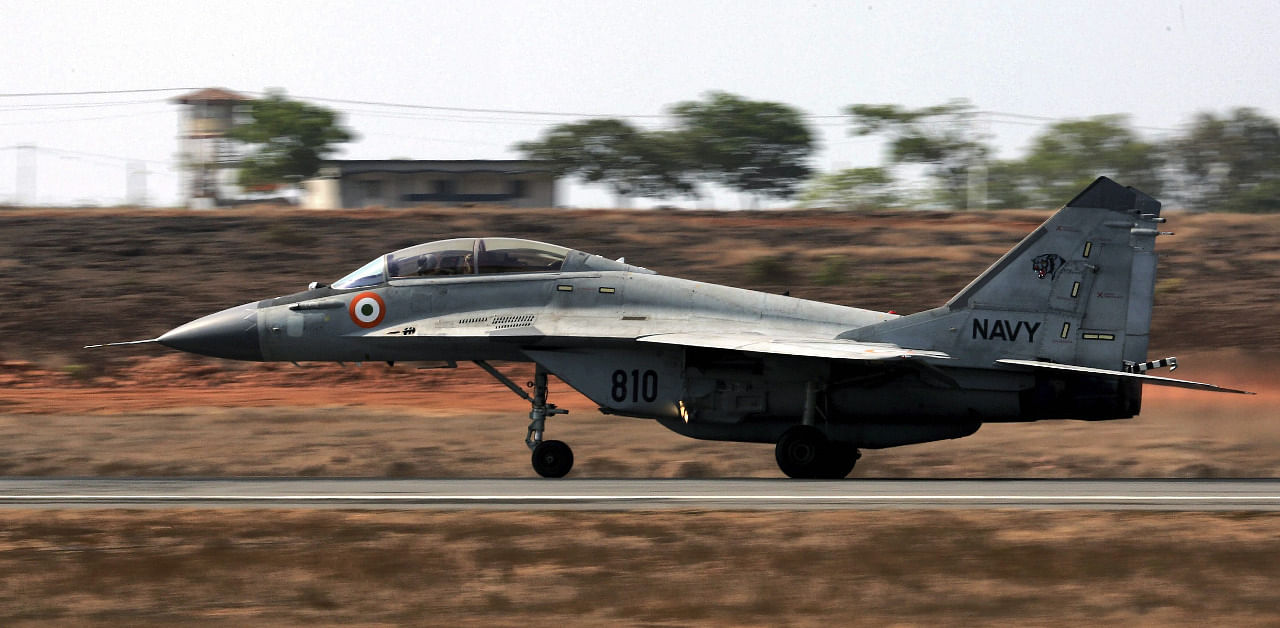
(521,112)
(473,109)
(991,115)
(1022,116)
(78,153)
(99,92)
(100,155)
(108,117)
(440,117)
(79,105)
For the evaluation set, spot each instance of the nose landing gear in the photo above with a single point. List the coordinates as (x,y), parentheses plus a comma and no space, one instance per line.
(551,458)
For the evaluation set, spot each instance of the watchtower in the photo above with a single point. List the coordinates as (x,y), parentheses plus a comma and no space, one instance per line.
(208,156)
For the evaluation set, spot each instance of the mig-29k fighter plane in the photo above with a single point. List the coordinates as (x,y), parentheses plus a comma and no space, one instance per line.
(1057,328)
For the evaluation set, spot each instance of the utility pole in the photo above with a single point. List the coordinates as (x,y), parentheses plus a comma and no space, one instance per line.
(977,184)
(136,184)
(25,191)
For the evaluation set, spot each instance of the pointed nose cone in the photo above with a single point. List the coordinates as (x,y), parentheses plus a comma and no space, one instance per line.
(231,333)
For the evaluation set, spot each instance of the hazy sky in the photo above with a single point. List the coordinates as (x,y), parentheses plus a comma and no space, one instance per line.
(1159,61)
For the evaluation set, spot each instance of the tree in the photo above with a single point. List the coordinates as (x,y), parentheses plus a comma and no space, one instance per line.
(1228,163)
(288,139)
(1071,154)
(751,146)
(854,188)
(756,147)
(1008,185)
(611,151)
(943,137)
(661,166)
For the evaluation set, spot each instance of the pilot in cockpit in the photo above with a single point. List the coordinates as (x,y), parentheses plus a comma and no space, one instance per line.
(428,265)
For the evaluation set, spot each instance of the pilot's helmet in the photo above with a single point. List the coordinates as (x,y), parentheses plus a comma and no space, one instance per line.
(428,263)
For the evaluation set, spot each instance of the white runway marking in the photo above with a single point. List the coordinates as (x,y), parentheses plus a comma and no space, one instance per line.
(1254,495)
(655,497)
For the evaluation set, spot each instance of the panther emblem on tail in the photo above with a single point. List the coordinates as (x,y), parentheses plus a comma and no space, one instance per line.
(1047,265)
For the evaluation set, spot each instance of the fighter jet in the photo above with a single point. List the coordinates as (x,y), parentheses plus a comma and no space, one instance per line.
(1057,328)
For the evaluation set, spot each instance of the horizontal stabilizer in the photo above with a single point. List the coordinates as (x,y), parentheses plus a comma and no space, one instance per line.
(805,347)
(1150,379)
(121,344)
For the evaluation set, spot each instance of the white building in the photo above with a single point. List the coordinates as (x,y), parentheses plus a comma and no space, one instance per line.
(358,183)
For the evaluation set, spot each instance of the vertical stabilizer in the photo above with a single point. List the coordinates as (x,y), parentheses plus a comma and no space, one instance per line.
(1077,290)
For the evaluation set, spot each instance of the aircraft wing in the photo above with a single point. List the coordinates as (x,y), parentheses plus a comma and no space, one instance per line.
(806,347)
(1150,379)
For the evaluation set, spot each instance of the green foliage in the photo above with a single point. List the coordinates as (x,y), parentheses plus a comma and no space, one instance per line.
(288,235)
(943,137)
(1229,163)
(770,269)
(79,372)
(1255,198)
(611,151)
(1008,186)
(1070,154)
(756,147)
(833,271)
(289,139)
(854,188)
(1170,285)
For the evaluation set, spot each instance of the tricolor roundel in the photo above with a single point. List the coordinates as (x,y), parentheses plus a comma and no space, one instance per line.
(367,309)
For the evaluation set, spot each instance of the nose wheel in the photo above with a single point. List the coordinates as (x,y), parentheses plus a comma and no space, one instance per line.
(551,458)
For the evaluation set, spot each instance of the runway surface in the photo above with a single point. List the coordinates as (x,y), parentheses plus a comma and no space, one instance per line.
(751,494)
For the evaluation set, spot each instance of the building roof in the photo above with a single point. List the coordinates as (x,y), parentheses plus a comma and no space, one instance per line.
(210,94)
(344,167)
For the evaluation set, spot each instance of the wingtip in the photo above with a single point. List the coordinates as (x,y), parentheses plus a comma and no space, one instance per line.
(1232,391)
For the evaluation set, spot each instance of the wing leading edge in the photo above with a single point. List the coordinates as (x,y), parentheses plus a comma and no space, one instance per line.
(1150,379)
(804,347)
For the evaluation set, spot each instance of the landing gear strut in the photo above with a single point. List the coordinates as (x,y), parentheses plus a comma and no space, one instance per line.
(551,458)
(804,452)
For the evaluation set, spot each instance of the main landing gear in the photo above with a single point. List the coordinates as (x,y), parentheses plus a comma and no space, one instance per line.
(551,458)
(804,452)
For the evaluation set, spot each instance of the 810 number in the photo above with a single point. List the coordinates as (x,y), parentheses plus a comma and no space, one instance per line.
(642,385)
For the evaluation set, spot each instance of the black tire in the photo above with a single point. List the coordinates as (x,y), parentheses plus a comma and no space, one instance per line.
(801,452)
(838,460)
(552,459)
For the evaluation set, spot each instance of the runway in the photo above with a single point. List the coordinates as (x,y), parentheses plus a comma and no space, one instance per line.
(642,494)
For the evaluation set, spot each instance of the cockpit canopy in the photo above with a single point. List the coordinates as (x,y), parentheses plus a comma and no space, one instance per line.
(474,256)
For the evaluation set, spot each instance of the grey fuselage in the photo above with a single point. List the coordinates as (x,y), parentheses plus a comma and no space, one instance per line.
(583,326)
(1057,328)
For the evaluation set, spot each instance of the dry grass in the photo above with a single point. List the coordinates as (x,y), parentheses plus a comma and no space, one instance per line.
(106,275)
(718,569)
(1173,440)
(178,417)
